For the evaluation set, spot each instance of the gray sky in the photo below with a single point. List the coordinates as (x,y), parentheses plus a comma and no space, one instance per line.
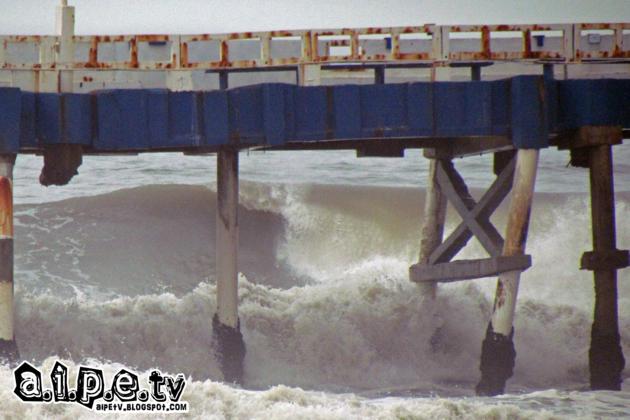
(199,16)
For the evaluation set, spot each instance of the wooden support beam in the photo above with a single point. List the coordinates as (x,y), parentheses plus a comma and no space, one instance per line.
(469,147)
(589,136)
(227,237)
(606,360)
(468,269)
(432,224)
(481,211)
(226,327)
(381,150)
(497,353)
(457,193)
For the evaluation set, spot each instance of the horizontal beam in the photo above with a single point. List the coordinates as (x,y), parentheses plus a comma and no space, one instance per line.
(468,269)
(472,146)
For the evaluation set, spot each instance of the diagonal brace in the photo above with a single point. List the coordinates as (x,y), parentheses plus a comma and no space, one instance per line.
(475,216)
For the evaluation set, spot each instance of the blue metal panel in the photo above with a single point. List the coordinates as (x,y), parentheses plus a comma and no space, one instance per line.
(347,111)
(48,118)
(500,107)
(275,113)
(185,119)
(246,117)
(64,118)
(312,118)
(420,109)
(384,110)
(122,120)
(593,102)
(157,113)
(76,118)
(10,115)
(216,118)
(529,113)
(272,114)
(463,109)
(28,129)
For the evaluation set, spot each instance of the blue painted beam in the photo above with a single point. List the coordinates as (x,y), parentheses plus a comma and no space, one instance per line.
(525,108)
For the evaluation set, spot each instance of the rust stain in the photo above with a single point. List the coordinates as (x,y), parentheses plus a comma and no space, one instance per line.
(153,38)
(183,55)
(6,207)
(499,300)
(93,54)
(485,42)
(225,54)
(527,38)
(134,53)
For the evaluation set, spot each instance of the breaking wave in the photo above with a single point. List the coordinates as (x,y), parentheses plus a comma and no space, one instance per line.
(128,278)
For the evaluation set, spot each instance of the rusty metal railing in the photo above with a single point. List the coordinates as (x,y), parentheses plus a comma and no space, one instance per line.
(432,44)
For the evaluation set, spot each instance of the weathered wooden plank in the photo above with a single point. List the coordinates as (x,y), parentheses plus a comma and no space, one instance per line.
(433,222)
(471,146)
(468,269)
(486,206)
(457,192)
(606,360)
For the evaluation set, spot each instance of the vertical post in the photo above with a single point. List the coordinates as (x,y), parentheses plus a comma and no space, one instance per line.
(65,52)
(475,72)
(606,361)
(8,348)
(432,224)
(309,75)
(230,347)
(379,75)
(223,80)
(497,352)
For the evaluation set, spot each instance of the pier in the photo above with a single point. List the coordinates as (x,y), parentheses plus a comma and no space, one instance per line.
(68,95)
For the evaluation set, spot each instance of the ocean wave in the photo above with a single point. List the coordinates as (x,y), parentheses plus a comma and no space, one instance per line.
(128,277)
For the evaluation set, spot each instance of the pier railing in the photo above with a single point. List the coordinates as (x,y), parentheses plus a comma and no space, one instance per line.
(429,44)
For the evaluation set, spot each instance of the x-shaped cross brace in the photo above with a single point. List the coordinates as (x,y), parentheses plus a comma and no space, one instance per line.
(475,215)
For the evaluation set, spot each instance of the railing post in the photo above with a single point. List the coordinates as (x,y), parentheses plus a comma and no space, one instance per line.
(8,348)
(497,353)
(309,75)
(65,52)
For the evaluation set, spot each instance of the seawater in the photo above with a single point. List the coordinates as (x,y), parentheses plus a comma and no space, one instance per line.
(117,270)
